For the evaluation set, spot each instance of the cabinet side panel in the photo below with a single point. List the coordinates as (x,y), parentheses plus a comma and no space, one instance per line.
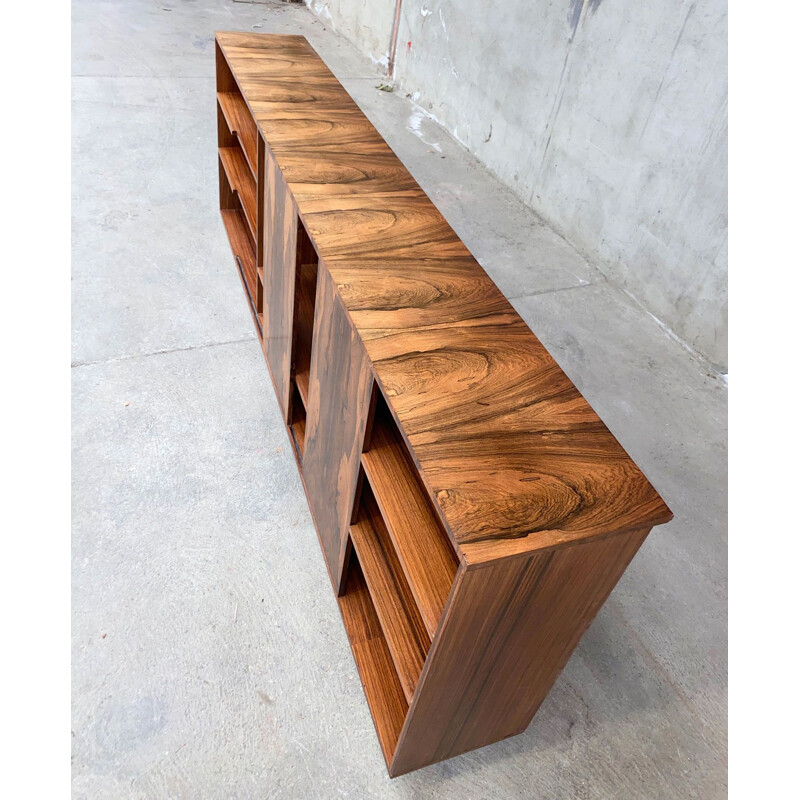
(279,252)
(509,631)
(340,386)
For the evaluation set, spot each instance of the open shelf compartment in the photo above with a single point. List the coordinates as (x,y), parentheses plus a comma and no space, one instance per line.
(376,669)
(304,303)
(243,183)
(422,546)
(402,625)
(239,167)
(297,424)
(242,246)
(241,125)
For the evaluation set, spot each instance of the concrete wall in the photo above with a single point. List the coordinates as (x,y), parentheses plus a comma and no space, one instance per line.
(366,23)
(609,117)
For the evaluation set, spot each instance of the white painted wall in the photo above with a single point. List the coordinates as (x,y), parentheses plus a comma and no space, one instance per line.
(609,117)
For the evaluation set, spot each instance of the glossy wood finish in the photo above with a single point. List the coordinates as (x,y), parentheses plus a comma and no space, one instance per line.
(242,247)
(397,611)
(297,424)
(298,428)
(261,167)
(506,445)
(241,124)
(428,561)
(473,510)
(507,634)
(340,385)
(374,661)
(242,182)
(280,242)
(304,299)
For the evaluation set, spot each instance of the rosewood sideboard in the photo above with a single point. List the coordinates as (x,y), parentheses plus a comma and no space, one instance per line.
(473,510)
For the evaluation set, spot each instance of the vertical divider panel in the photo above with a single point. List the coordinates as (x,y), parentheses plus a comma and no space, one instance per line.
(305,294)
(340,387)
(519,620)
(260,192)
(279,249)
(227,197)
(225,80)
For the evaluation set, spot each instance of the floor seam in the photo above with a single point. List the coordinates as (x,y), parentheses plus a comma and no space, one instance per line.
(76,364)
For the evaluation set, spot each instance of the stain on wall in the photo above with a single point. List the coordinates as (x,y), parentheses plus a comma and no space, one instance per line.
(575,11)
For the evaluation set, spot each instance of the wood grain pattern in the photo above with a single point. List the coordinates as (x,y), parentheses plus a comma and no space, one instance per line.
(261,166)
(236,224)
(500,401)
(297,425)
(225,80)
(426,557)
(338,132)
(340,384)
(242,125)
(374,661)
(346,173)
(507,447)
(280,242)
(473,510)
(508,633)
(299,434)
(242,246)
(242,183)
(301,380)
(400,619)
(305,293)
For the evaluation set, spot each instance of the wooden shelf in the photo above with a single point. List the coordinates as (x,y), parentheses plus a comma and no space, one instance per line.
(403,628)
(298,423)
(242,183)
(242,125)
(422,547)
(242,246)
(301,381)
(374,661)
(304,325)
(299,433)
(305,298)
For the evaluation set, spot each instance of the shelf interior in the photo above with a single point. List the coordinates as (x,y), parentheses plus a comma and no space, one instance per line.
(298,423)
(405,633)
(237,139)
(242,246)
(423,548)
(382,687)
(242,182)
(301,381)
(304,325)
(242,125)
(305,299)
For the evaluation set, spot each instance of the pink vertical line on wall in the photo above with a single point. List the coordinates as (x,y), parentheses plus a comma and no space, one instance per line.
(393,45)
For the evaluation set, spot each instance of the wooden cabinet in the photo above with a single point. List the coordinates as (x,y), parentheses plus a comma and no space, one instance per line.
(473,510)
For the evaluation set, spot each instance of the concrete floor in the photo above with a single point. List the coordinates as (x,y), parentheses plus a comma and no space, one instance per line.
(209,658)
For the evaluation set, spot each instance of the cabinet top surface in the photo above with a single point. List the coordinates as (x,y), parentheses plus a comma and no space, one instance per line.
(515,457)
